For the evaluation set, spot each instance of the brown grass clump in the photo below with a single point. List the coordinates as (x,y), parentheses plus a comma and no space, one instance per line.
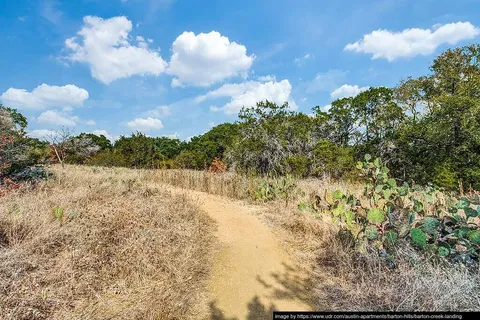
(100,243)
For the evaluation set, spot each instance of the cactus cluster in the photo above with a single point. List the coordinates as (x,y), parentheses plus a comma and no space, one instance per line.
(431,220)
(264,190)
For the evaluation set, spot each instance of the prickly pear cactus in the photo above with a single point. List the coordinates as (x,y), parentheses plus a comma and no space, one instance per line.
(375,215)
(430,225)
(390,212)
(419,239)
(371,232)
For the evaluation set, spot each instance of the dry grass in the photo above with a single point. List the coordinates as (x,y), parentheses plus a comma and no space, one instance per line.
(341,279)
(226,184)
(122,250)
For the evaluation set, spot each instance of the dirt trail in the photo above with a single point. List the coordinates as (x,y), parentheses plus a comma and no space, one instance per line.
(253,274)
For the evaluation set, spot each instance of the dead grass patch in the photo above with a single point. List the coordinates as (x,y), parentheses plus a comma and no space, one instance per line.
(119,249)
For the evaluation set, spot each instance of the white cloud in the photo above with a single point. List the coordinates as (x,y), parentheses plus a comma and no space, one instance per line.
(90,122)
(300,61)
(42,134)
(266,78)
(177,83)
(206,58)
(172,136)
(411,42)
(52,117)
(145,124)
(104,133)
(346,91)
(45,96)
(105,46)
(162,111)
(249,93)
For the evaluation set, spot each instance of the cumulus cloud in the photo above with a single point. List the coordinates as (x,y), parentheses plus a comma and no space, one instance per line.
(161,111)
(52,117)
(206,58)
(249,93)
(346,91)
(45,96)
(411,42)
(145,124)
(105,46)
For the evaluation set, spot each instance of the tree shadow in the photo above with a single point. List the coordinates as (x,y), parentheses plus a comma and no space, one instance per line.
(256,311)
(216,313)
(290,285)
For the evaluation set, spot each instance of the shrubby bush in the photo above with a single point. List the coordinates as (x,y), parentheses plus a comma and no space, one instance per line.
(390,214)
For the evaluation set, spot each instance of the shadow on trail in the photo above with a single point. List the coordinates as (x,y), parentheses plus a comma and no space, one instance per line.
(289,285)
(256,310)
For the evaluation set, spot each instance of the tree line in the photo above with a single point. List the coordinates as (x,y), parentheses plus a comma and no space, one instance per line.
(426,129)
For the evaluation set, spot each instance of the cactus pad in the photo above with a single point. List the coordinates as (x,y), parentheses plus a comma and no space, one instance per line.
(419,238)
(371,232)
(375,215)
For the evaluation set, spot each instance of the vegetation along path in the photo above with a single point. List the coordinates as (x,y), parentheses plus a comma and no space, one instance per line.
(253,274)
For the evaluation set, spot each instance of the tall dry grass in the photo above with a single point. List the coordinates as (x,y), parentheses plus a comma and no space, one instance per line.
(122,250)
(227,184)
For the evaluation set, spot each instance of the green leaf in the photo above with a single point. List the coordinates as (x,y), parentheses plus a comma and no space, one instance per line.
(411,218)
(472,213)
(371,232)
(377,163)
(392,183)
(349,217)
(443,251)
(379,188)
(387,193)
(391,237)
(302,206)
(368,157)
(417,206)
(463,203)
(474,236)
(337,194)
(419,238)
(359,165)
(430,225)
(58,212)
(461,232)
(375,215)
(338,210)
(402,191)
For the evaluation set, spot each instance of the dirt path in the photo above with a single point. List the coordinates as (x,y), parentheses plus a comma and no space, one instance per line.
(253,274)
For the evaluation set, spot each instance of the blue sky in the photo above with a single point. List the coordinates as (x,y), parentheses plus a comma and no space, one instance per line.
(177,68)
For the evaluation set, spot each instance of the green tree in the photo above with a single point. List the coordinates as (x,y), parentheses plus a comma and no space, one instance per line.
(139,151)
(448,130)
